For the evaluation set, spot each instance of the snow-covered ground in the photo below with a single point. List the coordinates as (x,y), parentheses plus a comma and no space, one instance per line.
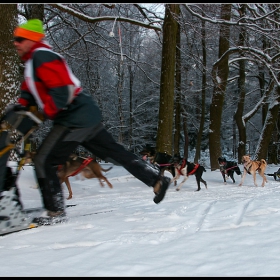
(225,230)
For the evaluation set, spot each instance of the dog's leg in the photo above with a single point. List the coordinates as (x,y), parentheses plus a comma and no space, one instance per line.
(163,169)
(243,177)
(108,183)
(93,170)
(198,184)
(254,176)
(204,182)
(173,172)
(66,181)
(175,178)
(232,176)
(198,176)
(181,184)
(264,178)
(101,183)
(224,177)
(100,177)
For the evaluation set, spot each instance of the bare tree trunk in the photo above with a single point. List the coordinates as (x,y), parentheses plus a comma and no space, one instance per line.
(120,100)
(203,94)
(164,143)
(241,86)
(269,125)
(131,79)
(178,99)
(220,75)
(185,130)
(9,61)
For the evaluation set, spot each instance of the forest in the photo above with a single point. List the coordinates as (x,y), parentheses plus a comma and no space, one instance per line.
(187,79)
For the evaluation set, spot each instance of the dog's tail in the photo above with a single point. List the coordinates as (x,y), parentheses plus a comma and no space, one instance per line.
(204,170)
(105,170)
(263,162)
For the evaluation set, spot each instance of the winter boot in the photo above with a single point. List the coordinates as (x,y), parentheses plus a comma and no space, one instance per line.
(160,189)
(53,202)
(58,215)
(50,218)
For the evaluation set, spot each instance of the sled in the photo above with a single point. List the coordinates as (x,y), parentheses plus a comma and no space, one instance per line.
(276,175)
(16,127)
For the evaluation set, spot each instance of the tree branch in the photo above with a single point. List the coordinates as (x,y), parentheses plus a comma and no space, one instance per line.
(85,18)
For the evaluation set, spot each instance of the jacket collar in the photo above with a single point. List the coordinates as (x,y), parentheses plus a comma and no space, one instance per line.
(36,46)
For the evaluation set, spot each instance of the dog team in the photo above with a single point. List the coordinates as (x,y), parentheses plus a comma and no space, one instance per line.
(89,168)
(184,168)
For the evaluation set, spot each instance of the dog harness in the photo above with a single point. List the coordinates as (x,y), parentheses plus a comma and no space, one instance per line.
(248,169)
(184,164)
(83,165)
(194,169)
(181,167)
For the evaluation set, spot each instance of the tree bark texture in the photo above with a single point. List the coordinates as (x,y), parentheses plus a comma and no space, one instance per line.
(9,61)
(178,98)
(164,143)
(241,148)
(203,94)
(220,75)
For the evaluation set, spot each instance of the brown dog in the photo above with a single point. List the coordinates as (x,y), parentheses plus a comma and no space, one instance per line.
(87,167)
(251,167)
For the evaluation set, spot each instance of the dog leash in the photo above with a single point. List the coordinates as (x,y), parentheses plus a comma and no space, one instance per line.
(231,168)
(164,164)
(83,165)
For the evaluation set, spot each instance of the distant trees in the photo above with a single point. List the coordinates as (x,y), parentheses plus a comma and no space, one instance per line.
(213,86)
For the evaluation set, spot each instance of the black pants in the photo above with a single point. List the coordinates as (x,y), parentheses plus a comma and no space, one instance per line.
(62,141)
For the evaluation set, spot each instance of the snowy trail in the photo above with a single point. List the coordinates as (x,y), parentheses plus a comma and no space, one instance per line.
(225,230)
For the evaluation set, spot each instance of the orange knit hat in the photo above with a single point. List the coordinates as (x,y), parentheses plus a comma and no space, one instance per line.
(32,30)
